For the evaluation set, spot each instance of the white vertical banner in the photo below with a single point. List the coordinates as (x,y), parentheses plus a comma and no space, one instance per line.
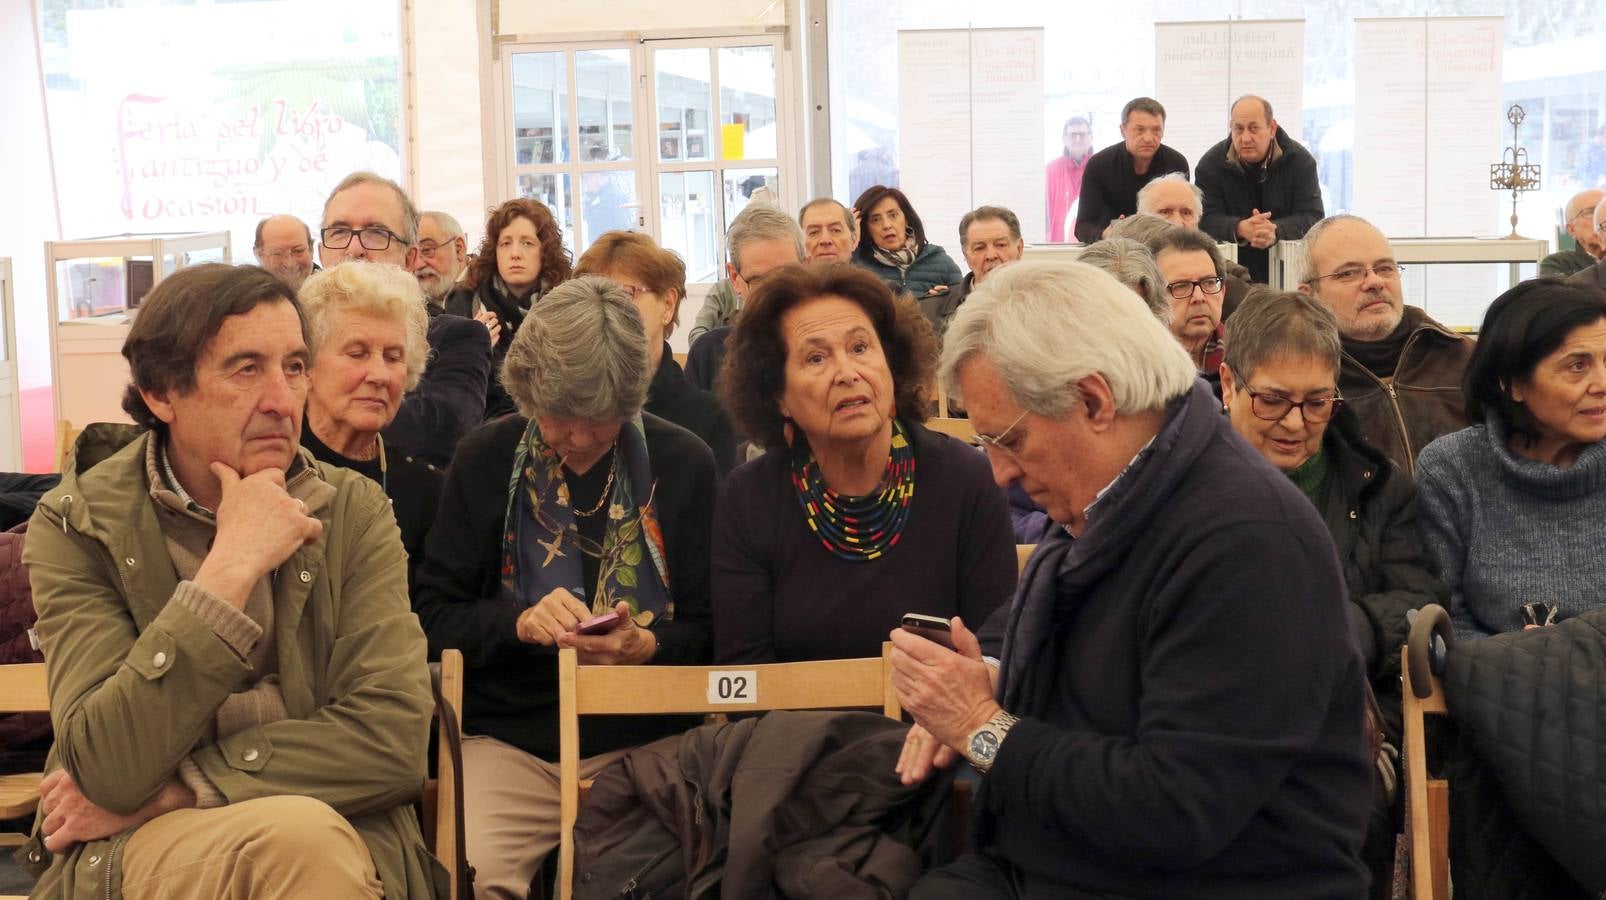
(934,130)
(969,104)
(1006,110)
(1430,88)
(1200,68)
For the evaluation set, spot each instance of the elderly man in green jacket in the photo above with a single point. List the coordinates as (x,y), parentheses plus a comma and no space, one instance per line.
(239,690)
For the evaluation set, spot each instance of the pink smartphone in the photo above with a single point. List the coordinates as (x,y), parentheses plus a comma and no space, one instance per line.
(602,624)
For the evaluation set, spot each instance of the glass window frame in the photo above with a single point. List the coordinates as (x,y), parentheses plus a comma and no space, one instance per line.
(644,163)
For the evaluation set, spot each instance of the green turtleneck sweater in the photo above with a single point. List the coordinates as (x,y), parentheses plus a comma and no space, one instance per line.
(1311,476)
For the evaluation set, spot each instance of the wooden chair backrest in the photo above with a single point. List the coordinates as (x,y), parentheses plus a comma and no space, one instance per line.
(66,436)
(1023,552)
(445,826)
(663,690)
(1427,801)
(958,428)
(22,688)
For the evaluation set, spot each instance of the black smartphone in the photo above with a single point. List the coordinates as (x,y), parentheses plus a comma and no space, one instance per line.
(931,628)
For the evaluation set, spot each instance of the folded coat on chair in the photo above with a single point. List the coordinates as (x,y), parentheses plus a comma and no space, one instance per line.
(792,804)
(1530,704)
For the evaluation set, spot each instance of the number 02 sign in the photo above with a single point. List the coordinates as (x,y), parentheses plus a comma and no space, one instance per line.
(733,686)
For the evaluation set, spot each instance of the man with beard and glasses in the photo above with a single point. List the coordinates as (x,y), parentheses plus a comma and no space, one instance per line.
(1401,370)
(442,257)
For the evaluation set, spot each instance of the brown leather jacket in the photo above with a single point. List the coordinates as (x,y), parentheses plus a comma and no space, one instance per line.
(1424,400)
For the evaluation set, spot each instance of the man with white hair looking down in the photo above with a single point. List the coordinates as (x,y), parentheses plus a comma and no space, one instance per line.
(1174,714)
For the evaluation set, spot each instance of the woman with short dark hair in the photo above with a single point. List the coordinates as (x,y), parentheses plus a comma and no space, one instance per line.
(1507,504)
(857,513)
(893,245)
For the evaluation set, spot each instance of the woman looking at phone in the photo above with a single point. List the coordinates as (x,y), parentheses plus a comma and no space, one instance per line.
(580,506)
(856,514)
(893,245)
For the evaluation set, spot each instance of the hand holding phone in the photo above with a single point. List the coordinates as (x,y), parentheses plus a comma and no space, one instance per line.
(932,628)
(602,624)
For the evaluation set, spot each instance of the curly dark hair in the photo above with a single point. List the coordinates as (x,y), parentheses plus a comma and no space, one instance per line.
(180,317)
(556,265)
(753,376)
(867,201)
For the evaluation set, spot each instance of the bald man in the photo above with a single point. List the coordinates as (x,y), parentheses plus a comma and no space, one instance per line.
(283,246)
(1259,186)
(1580,224)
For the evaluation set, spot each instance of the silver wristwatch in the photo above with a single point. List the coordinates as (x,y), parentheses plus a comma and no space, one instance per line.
(981,748)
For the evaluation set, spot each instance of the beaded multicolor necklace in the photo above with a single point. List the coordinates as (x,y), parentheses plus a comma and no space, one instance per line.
(858,528)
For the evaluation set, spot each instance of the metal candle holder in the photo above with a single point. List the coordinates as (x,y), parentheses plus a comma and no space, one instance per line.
(1514,173)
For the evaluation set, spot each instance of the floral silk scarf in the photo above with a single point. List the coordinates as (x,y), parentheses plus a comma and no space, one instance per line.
(541,543)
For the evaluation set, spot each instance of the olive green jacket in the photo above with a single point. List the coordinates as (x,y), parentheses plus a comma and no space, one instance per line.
(135,680)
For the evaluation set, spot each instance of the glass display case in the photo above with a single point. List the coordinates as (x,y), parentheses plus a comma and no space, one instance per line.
(10,386)
(94,289)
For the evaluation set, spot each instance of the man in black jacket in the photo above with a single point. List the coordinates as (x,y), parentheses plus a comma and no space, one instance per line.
(1112,177)
(1259,186)
(1178,710)
(371,218)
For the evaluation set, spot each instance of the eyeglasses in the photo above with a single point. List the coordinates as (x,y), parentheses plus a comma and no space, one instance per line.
(374,237)
(1584,214)
(1353,274)
(997,443)
(427,248)
(1182,290)
(1273,407)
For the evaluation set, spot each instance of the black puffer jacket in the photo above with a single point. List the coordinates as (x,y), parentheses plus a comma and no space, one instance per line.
(1529,704)
(1370,508)
(793,804)
(1286,187)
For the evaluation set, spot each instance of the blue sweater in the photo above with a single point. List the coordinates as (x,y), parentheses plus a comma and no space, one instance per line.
(1507,530)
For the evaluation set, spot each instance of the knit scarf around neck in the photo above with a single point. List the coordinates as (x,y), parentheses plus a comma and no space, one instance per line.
(901,258)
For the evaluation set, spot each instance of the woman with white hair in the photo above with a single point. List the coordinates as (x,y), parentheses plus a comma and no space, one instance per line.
(581,522)
(1133,265)
(367,331)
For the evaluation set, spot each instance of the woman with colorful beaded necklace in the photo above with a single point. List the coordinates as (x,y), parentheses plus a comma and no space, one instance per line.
(857,513)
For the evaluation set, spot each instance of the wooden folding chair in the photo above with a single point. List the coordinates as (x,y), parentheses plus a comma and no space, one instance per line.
(959,428)
(442,803)
(1427,800)
(22,690)
(66,436)
(666,690)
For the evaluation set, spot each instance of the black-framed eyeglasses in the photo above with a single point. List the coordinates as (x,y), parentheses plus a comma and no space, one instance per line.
(997,443)
(1182,290)
(374,237)
(1353,274)
(1274,407)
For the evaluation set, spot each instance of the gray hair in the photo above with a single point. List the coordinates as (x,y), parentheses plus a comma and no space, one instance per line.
(581,353)
(1133,265)
(409,224)
(364,288)
(1187,240)
(1272,324)
(1304,259)
(1142,104)
(1147,191)
(445,221)
(982,213)
(758,222)
(1047,324)
(257,244)
(847,214)
(1142,227)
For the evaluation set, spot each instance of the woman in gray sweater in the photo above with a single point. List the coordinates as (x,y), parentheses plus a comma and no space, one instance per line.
(1511,506)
